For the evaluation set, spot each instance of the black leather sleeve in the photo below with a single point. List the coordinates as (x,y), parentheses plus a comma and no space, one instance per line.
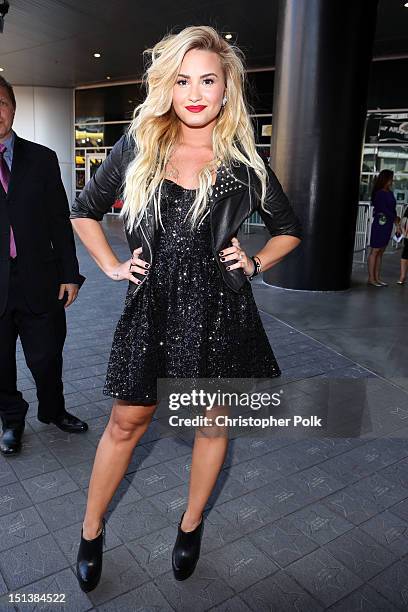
(100,192)
(280,218)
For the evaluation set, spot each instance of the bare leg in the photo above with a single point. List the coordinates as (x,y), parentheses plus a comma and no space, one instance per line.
(404,270)
(378,263)
(372,264)
(210,448)
(126,426)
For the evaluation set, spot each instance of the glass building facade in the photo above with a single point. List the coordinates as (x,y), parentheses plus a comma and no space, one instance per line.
(386,147)
(102,114)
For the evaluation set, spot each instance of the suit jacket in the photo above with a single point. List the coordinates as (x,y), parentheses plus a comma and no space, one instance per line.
(36,206)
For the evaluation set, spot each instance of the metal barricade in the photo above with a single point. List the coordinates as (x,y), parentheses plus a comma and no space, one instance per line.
(253,221)
(363,228)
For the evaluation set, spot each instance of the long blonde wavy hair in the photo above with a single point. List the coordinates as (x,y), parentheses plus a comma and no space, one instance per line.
(155,127)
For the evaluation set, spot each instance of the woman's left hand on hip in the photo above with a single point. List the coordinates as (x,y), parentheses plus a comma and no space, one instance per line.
(237,254)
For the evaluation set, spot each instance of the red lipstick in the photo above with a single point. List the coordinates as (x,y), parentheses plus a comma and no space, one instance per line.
(195,109)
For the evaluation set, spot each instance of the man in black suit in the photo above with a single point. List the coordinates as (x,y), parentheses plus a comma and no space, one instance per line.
(39,277)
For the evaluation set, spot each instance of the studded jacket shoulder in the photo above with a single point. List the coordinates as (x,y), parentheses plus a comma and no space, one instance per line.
(235,197)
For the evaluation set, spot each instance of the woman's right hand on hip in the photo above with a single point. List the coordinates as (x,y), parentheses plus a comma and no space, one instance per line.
(125,270)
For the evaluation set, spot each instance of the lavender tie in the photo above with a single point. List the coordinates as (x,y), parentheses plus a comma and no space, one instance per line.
(5,179)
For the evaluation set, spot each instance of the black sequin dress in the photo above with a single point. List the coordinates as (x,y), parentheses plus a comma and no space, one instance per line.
(184,321)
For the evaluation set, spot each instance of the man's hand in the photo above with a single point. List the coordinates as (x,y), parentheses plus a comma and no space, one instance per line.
(72,291)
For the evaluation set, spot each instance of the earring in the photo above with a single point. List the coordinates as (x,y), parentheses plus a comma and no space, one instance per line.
(224,100)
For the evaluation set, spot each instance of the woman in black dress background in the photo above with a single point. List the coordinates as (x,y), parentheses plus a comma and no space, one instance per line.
(182,319)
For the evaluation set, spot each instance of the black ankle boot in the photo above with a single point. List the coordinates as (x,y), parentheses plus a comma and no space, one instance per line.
(186,551)
(89,561)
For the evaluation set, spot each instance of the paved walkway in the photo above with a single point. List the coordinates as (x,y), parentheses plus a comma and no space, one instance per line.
(294,524)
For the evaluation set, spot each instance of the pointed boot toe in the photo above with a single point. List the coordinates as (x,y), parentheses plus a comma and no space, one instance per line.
(186,551)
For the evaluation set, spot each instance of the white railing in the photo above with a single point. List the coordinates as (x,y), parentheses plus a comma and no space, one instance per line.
(364,243)
(363,228)
(253,221)
(363,223)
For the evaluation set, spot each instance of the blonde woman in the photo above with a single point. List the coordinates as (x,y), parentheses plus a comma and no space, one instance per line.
(191,175)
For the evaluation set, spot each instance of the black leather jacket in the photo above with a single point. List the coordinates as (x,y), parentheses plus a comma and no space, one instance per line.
(234,199)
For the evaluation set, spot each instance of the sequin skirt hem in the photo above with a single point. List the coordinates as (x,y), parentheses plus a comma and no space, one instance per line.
(143,402)
(130,399)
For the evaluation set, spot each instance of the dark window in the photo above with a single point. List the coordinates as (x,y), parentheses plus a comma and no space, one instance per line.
(115,103)
(260,91)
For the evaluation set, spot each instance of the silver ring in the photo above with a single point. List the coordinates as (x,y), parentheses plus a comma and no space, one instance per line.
(240,256)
